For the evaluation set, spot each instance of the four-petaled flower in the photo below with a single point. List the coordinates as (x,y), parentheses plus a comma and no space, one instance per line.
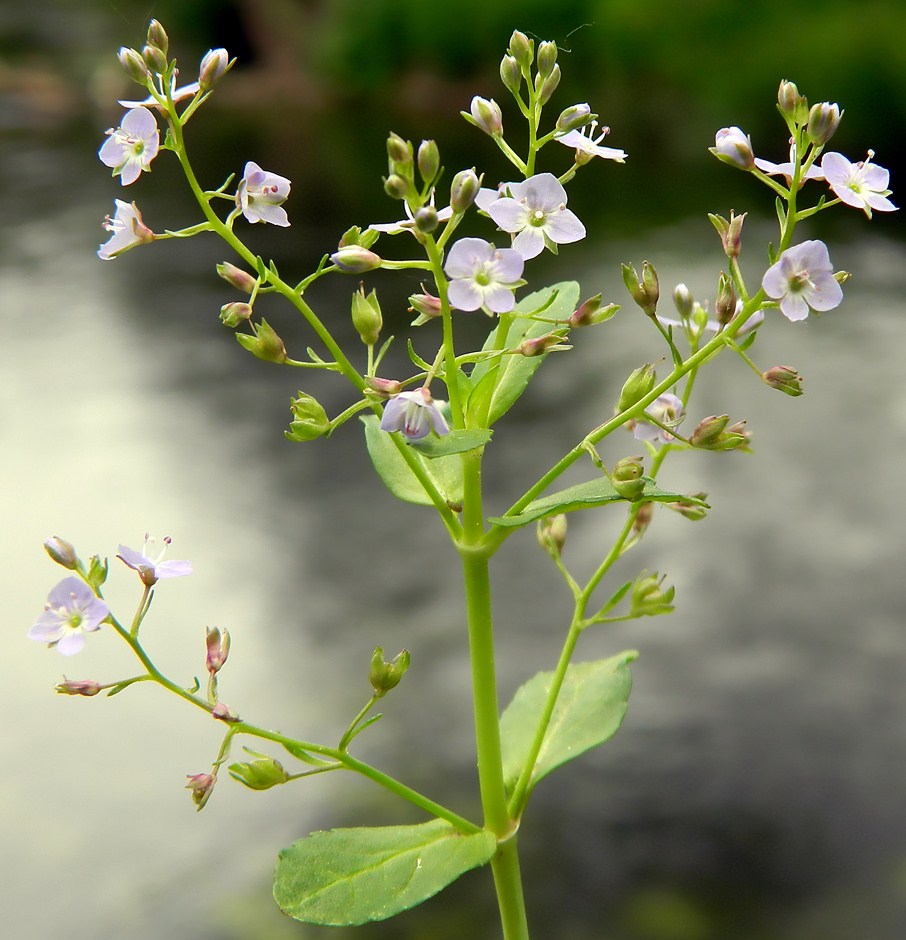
(786,169)
(260,195)
(128,230)
(862,184)
(588,145)
(414,413)
(131,147)
(482,275)
(801,278)
(535,212)
(71,611)
(668,410)
(150,566)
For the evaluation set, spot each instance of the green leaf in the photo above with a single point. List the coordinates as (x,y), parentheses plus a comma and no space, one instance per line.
(596,492)
(352,876)
(589,711)
(456,442)
(504,378)
(446,472)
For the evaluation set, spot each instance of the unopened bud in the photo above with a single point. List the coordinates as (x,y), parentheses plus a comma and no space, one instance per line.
(552,534)
(464,189)
(238,278)
(549,85)
(399,152)
(264,343)
(425,305)
(784,379)
(546,59)
(539,345)
(574,117)
(383,388)
(734,146)
(62,552)
(788,98)
(366,316)
(725,305)
(649,598)
(584,314)
(645,291)
(222,712)
(215,64)
(636,387)
(694,508)
(682,300)
(643,516)
(486,115)
(716,433)
(627,478)
(395,186)
(202,786)
(260,774)
(384,675)
(309,421)
(86,687)
(426,219)
(353,259)
(521,48)
(823,121)
(730,232)
(157,36)
(217,643)
(428,161)
(134,65)
(234,313)
(154,59)
(510,74)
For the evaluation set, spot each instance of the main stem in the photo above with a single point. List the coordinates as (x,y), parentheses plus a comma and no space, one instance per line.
(505,864)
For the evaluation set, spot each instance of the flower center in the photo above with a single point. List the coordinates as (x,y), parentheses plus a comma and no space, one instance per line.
(799,282)
(537,217)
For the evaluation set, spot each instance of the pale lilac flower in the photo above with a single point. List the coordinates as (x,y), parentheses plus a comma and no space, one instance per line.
(487,197)
(260,194)
(408,224)
(535,212)
(862,184)
(131,147)
(414,413)
(149,561)
(802,278)
(71,611)
(482,275)
(176,94)
(666,408)
(586,143)
(734,146)
(127,228)
(786,169)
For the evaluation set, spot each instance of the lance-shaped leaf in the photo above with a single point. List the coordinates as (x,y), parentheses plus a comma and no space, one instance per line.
(456,442)
(504,378)
(597,492)
(445,472)
(352,876)
(589,710)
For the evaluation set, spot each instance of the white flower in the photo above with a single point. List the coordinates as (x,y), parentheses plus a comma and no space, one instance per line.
(131,147)
(128,230)
(260,195)
(802,278)
(482,275)
(535,212)
(862,184)
(149,561)
(71,611)
(176,94)
(415,414)
(786,169)
(734,146)
(586,143)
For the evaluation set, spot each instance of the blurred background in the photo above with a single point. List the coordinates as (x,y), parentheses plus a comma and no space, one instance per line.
(756,789)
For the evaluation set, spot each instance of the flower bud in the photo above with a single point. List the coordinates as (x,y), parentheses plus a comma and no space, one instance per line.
(134,65)
(222,712)
(691,510)
(215,64)
(366,316)
(238,278)
(154,59)
(62,552)
(383,388)
(425,305)
(202,786)
(428,161)
(546,59)
(399,152)
(730,232)
(510,74)
(259,774)
(788,98)
(583,314)
(627,478)
(734,146)
(521,48)
(823,121)
(574,117)
(97,571)
(648,598)
(353,259)
(309,421)
(725,305)
(486,115)
(395,186)
(643,517)
(784,379)
(157,36)
(426,219)
(713,433)
(464,189)
(645,292)
(539,345)
(265,343)
(385,676)
(552,534)
(234,313)
(549,85)
(217,643)
(86,687)
(636,387)
(682,300)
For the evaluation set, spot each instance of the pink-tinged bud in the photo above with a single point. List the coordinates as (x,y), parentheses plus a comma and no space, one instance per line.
(309,420)
(464,189)
(62,552)
(157,36)
(232,314)
(823,121)
(425,305)
(730,232)
(222,712)
(784,379)
(716,433)
(643,517)
(217,642)
(353,259)
(202,786)
(134,65)
(215,64)
(238,278)
(682,300)
(384,388)
(552,534)
(725,305)
(521,48)
(428,161)
(582,315)
(486,115)
(510,74)
(546,58)
(549,85)
(645,292)
(734,146)
(539,345)
(384,675)
(627,478)
(265,343)
(574,117)
(86,687)
(154,59)
(689,509)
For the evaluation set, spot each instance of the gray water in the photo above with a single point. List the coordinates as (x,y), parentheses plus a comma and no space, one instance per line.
(755,790)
